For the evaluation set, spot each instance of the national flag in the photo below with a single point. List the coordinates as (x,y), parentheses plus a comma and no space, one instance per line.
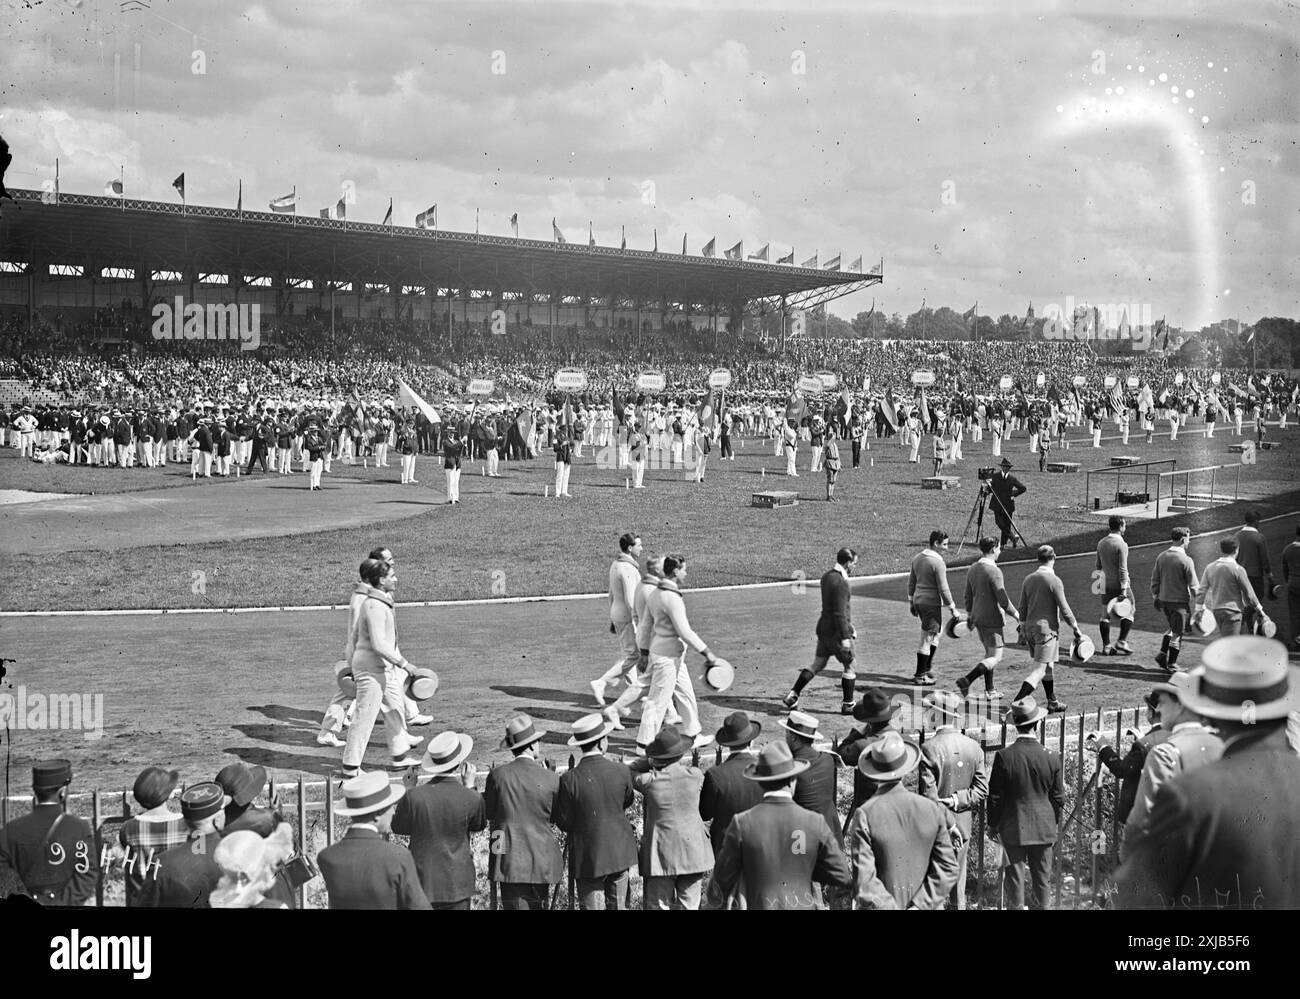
(856,266)
(761,254)
(591,235)
(239,200)
(1024,400)
(811,261)
(833,264)
(1251,337)
(406,397)
(341,209)
(179,184)
(925,411)
(845,406)
(1146,401)
(555,232)
(1115,401)
(1161,327)
(1164,394)
(706,413)
(113,187)
(514,224)
(889,410)
(289,203)
(324,213)
(737,252)
(619,405)
(710,248)
(656,249)
(970,313)
(388,215)
(788,258)
(795,407)
(1053,396)
(427,219)
(623,243)
(683,244)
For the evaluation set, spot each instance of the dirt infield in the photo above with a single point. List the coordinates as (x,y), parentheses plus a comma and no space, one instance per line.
(193,691)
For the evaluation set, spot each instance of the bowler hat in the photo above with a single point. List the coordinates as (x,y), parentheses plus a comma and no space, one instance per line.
(889,758)
(520,732)
(202,801)
(1245,677)
(775,763)
(367,794)
(737,730)
(154,786)
(875,706)
(50,775)
(241,782)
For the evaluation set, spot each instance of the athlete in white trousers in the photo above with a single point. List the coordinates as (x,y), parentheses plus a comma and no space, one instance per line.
(624,574)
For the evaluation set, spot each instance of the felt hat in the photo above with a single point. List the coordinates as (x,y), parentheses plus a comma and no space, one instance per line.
(668,745)
(154,786)
(775,763)
(875,706)
(889,758)
(241,782)
(737,730)
(1025,711)
(520,732)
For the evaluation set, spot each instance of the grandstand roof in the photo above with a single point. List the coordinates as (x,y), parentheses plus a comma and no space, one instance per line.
(111,231)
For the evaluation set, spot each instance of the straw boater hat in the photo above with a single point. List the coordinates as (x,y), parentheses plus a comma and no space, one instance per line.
(1243,676)
(801,724)
(344,678)
(1205,622)
(1025,711)
(589,729)
(368,794)
(446,751)
(422,684)
(1120,607)
(1082,649)
(520,732)
(889,758)
(775,763)
(958,626)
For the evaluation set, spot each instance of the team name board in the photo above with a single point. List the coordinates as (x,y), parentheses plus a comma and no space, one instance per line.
(719,378)
(484,386)
(1004,383)
(1110,381)
(650,381)
(1132,381)
(570,380)
(809,383)
(1178,378)
(1041,380)
(829,379)
(1080,381)
(922,378)
(1216,378)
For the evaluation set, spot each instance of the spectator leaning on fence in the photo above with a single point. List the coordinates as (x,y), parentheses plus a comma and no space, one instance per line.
(151,832)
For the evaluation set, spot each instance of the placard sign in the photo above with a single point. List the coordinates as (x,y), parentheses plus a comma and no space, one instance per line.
(1080,381)
(923,378)
(1133,381)
(481,386)
(809,383)
(650,381)
(1215,378)
(1178,378)
(570,380)
(1110,381)
(1004,383)
(829,379)
(1041,380)
(719,378)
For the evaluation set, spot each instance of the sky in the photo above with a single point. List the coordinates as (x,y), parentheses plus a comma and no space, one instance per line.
(999,153)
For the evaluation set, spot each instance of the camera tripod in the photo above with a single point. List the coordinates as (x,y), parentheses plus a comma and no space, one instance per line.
(977,518)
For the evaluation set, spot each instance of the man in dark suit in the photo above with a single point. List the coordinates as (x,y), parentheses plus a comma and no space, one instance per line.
(1024,806)
(519,798)
(363,870)
(1226,834)
(874,715)
(185,875)
(63,876)
(756,858)
(727,791)
(440,817)
(835,633)
(1252,554)
(899,842)
(953,774)
(591,807)
(815,788)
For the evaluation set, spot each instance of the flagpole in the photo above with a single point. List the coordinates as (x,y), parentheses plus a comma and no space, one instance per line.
(56,180)
(121,181)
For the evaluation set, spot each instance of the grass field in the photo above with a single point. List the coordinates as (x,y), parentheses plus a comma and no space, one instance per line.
(505,539)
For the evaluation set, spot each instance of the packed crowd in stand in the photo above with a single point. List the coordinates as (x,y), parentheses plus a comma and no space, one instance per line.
(1207,802)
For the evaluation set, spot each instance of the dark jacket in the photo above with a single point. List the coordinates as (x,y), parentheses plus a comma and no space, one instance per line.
(363,871)
(815,787)
(1025,794)
(439,817)
(25,851)
(835,623)
(591,807)
(1129,769)
(726,793)
(185,875)
(519,799)
(1224,835)
(756,857)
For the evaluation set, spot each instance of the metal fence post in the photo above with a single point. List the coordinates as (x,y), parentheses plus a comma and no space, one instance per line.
(302,833)
(95,822)
(1078,829)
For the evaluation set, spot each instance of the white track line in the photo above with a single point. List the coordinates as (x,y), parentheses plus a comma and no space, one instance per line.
(550,598)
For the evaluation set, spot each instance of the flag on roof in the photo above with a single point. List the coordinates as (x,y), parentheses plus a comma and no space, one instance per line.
(833,264)
(113,187)
(710,247)
(761,254)
(179,184)
(811,261)
(289,203)
(788,258)
(856,265)
(427,219)
(737,252)
(388,215)
(555,231)
(591,235)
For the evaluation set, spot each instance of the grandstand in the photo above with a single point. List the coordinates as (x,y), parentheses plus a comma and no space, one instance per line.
(74,251)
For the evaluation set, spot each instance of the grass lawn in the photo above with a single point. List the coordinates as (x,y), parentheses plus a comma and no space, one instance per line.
(505,539)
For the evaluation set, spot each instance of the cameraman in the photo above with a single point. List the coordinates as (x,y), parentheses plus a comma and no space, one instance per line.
(1005,487)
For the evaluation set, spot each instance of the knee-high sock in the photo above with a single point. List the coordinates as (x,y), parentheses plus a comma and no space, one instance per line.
(802,680)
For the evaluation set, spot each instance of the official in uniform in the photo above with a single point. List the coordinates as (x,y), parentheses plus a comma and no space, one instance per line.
(835,632)
(51,852)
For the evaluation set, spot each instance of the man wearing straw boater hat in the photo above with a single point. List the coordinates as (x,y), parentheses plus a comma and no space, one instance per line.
(756,858)
(727,791)
(27,844)
(675,852)
(591,807)
(953,774)
(1226,836)
(440,817)
(519,798)
(1024,807)
(1191,744)
(364,870)
(898,841)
